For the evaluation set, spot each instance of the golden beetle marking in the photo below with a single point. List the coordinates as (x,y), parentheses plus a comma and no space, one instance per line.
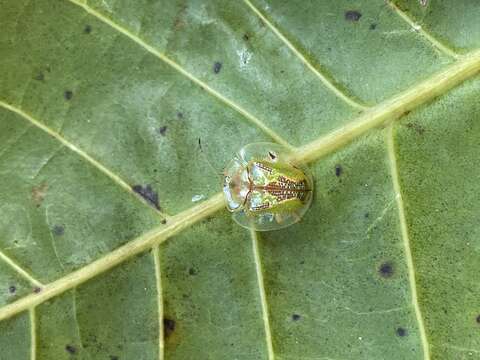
(264,189)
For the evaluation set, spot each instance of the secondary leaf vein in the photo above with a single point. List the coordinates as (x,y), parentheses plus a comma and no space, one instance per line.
(263,296)
(406,240)
(144,242)
(419,29)
(33,334)
(152,50)
(90,160)
(19,269)
(353,103)
(158,277)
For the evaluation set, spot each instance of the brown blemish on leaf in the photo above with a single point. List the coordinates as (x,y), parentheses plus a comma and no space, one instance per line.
(246,37)
(12,289)
(178,23)
(168,327)
(386,269)
(401,332)
(192,271)
(148,194)
(478,319)
(296,317)
(37,290)
(352,15)
(38,193)
(418,128)
(164,221)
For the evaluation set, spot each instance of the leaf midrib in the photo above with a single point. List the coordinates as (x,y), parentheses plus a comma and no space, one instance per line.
(389,110)
(392,109)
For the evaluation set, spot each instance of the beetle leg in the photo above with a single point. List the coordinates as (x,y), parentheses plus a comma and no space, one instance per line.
(296,216)
(279,218)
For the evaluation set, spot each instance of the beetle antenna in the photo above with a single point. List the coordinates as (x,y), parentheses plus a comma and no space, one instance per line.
(215,171)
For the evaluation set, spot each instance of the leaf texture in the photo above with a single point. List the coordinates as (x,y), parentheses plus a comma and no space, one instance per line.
(116,118)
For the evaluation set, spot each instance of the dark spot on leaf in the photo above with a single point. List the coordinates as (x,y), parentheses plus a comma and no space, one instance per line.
(272,155)
(58,230)
(37,290)
(401,332)
(296,317)
(68,94)
(478,319)
(40,76)
(168,326)
(386,269)
(373,26)
(148,194)
(12,289)
(114,357)
(338,170)
(352,15)
(192,271)
(367,215)
(217,66)
(246,37)
(302,262)
(87,29)
(38,194)
(418,128)
(164,221)
(71,349)
(162,130)
(180,115)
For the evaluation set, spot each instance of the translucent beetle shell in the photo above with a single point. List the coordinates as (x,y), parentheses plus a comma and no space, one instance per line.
(265,188)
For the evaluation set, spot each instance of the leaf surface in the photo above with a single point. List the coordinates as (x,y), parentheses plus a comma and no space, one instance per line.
(116,118)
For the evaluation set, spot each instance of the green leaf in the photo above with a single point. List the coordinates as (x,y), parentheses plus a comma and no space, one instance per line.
(115,118)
